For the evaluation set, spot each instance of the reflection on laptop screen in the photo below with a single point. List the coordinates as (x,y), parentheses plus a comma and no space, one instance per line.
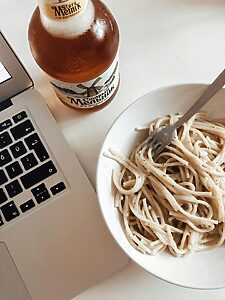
(4,74)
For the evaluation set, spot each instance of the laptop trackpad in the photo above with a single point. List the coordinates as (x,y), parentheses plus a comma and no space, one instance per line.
(11,284)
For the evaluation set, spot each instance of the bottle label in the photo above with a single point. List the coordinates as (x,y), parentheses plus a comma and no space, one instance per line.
(90,93)
(63,9)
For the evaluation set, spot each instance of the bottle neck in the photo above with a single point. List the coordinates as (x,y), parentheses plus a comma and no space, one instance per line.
(61,10)
(66,18)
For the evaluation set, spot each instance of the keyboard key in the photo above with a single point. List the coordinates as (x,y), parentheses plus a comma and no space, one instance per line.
(3,196)
(5,104)
(5,157)
(29,161)
(19,117)
(3,177)
(27,205)
(5,140)
(40,193)
(18,149)
(22,129)
(14,169)
(13,188)
(5,124)
(58,188)
(1,221)
(34,143)
(10,211)
(37,175)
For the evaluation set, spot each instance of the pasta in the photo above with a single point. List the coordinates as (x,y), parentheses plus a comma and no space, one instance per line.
(175,202)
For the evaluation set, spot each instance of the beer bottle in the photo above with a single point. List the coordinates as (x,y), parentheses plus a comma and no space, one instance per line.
(76,44)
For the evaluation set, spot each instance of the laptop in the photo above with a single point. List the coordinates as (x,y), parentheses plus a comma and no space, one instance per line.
(53,241)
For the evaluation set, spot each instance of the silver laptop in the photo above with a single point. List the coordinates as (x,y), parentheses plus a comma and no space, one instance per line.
(53,242)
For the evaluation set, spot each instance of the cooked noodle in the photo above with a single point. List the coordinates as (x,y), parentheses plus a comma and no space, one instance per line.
(177,200)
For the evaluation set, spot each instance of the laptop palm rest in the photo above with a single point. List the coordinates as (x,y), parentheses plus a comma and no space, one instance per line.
(11,284)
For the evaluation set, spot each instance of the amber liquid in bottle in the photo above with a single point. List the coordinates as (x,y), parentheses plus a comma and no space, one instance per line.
(81,59)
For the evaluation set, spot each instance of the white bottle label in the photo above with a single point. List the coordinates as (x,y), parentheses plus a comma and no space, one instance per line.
(90,93)
(62,9)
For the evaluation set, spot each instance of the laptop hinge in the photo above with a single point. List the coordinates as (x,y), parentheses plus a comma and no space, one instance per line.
(5,104)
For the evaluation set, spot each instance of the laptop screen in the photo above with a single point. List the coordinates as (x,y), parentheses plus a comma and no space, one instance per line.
(14,79)
(4,74)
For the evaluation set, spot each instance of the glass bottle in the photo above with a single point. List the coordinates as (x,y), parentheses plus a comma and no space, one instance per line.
(76,43)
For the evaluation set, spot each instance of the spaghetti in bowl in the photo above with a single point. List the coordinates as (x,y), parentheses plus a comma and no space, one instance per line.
(177,211)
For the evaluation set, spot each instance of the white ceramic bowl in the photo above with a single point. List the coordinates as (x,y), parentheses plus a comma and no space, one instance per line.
(204,270)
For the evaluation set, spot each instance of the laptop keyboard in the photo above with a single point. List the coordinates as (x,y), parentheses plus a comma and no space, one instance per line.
(25,165)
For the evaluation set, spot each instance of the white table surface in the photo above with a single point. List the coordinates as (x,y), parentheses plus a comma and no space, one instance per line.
(163,42)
